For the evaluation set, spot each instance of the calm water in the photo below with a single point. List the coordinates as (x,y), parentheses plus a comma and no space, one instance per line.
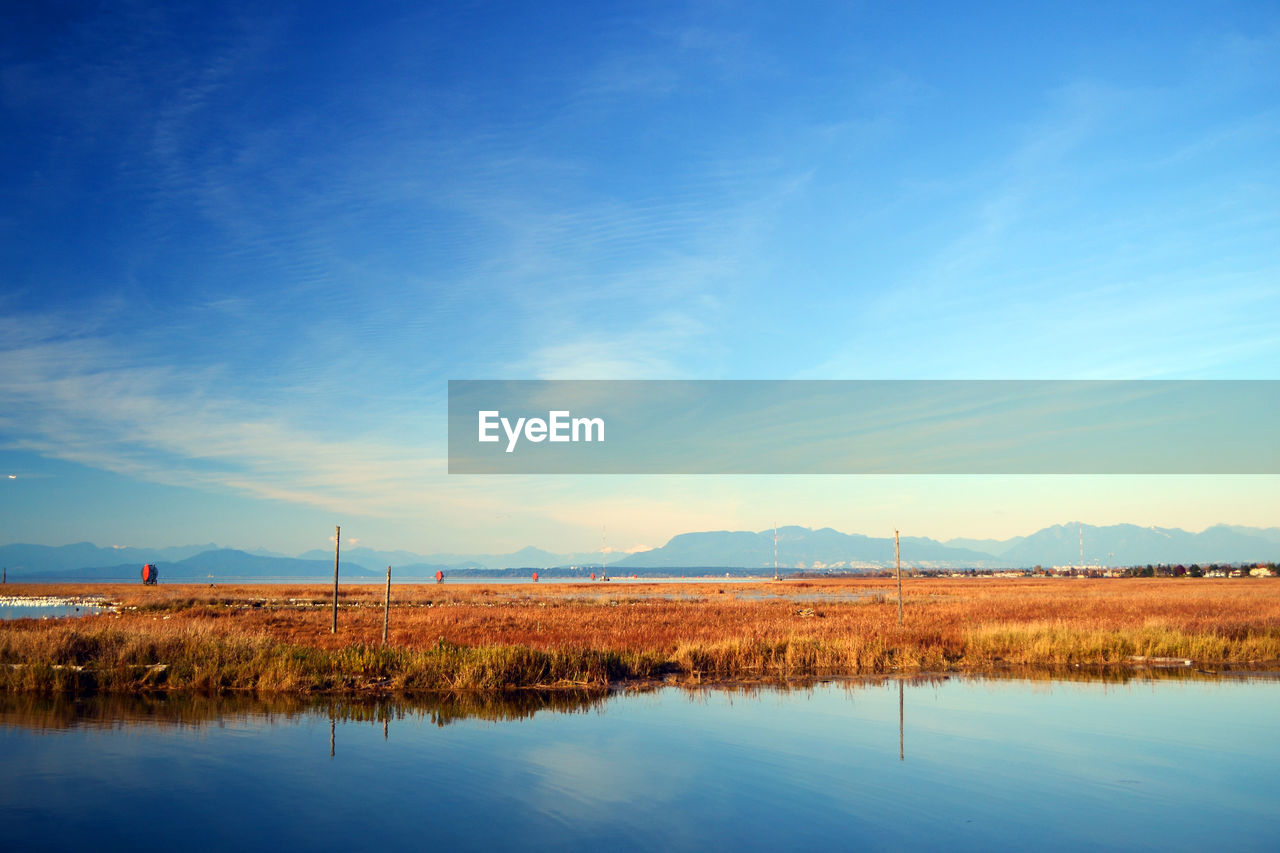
(44,608)
(1175,764)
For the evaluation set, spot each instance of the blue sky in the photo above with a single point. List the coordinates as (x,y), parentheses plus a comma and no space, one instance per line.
(242,251)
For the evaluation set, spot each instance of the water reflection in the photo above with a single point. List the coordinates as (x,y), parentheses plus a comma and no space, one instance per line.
(187,710)
(40,712)
(48,608)
(59,711)
(996,760)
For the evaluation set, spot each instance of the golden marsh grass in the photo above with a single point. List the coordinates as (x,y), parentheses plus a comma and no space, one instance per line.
(276,638)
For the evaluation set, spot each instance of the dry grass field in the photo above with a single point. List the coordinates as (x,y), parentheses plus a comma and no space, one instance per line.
(277,638)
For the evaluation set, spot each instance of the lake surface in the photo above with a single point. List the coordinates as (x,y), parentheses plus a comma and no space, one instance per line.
(45,608)
(1174,763)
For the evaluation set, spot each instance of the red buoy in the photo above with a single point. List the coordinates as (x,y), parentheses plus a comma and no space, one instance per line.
(593,575)
(535,577)
(439,576)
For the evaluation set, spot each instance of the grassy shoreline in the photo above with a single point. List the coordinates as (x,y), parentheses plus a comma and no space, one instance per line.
(276,640)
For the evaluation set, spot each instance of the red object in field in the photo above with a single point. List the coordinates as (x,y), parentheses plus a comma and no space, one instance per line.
(149,574)
(593,575)
(439,576)
(535,577)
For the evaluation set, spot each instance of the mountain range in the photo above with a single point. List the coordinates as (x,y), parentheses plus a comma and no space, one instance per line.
(1060,545)
(801,548)
(798,548)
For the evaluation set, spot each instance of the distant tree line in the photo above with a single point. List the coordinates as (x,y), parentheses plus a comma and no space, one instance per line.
(1195,570)
(1162,570)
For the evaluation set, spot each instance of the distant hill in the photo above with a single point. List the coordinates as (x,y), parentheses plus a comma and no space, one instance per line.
(1117,545)
(1271,534)
(686,553)
(216,564)
(229,563)
(801,548)
(528,557)
(30,559)
(995,547)
(1128,544)
(364,556)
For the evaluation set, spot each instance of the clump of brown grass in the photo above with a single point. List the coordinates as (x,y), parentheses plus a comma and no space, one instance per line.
(1050,643)
(73,657)
(277,638)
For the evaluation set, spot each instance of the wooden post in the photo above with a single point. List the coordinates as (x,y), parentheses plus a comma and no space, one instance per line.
(337,538)
(386,608)
(898,560)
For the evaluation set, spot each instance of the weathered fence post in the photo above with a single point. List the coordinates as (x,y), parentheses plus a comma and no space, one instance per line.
(337,537)
(386,608)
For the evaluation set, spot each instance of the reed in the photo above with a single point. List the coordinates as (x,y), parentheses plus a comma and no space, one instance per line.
(1058,644)
(74,658)
(276,639)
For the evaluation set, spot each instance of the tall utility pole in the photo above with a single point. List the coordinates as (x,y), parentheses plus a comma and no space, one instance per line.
(775,550)
(604,556)
(897,559)
(337,538)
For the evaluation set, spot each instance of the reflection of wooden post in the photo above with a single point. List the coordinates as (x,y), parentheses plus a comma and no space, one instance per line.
(332,731)
(337,537)
(898,560)
(900,719)
(386,608)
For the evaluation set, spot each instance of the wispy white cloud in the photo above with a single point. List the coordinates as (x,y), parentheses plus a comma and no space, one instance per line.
(659,348)
(82,400)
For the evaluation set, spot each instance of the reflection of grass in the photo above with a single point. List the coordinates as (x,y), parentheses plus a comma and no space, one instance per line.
(187,708)
(58,711)
(277,639)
